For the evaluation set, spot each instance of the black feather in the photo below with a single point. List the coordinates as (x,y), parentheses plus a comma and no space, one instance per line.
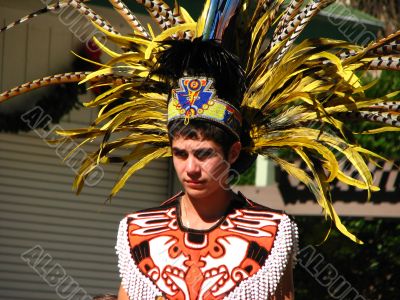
(202,58)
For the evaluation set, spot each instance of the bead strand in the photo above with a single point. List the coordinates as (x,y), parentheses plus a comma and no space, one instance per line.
(137,285)
(264,283)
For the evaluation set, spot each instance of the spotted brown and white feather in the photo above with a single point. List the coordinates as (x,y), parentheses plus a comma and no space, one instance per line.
(159,19)
(166,12)
(154,11)
(346,54)
(384,63)
(291,10)
(378,46)
(392,105)
(301,18)
(180,20)
(164,16)
(78,5)
(54,80)
(92,16)
(48,8)
(130,18)
(297,25)
(42,82)
(389,118)
(392,48)
(385,118)
(173,17)
(177,14)
(389,45)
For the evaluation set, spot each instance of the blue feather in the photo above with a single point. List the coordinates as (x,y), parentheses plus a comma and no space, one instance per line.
(226,15)
(218,17)
(210,20)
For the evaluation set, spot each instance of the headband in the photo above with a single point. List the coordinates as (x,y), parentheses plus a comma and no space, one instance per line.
(195,98)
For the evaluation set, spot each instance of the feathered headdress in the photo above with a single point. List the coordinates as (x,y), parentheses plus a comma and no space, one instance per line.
(295,96)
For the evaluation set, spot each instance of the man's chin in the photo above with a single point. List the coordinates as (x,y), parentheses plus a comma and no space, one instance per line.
(197,191)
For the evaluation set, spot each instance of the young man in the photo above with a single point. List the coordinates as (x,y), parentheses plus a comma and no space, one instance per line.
(206,242)
(203,243)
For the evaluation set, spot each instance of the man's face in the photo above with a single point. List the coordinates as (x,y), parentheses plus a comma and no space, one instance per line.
(200,166)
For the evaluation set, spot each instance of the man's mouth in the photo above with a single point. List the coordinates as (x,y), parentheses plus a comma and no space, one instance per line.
(194,182)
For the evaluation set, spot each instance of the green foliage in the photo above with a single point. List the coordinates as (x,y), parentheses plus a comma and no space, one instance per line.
(248,177)
(372,269)
(388,143)
(388,82)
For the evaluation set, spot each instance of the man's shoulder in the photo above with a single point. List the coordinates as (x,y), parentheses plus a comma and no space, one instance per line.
(167,204)
(251,205)
(255,211)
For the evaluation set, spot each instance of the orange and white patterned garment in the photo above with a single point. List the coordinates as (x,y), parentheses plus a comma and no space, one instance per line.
(243,256)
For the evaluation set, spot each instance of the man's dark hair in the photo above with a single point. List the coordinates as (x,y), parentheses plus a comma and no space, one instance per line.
(198,129)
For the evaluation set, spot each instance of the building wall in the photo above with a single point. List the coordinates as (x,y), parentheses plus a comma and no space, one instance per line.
(51,239)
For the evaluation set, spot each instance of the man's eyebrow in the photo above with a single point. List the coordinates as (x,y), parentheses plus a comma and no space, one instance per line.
(176,149)
(198,150)
(203,150)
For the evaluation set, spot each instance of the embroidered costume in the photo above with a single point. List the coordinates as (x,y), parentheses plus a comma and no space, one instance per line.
(243,256)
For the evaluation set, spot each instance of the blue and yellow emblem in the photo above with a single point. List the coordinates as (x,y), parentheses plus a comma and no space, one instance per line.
(196,98)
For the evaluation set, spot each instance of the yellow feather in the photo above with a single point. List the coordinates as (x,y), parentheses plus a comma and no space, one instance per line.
(104,48)
(89,60)
(354,182)
(186,16)
(202,20)
(151,31)
(158,153)
(122,39)
(104,71)
(112,91)
(380,130)
(166,34)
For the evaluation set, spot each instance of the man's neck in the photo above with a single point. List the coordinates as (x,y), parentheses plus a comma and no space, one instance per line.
(201,213)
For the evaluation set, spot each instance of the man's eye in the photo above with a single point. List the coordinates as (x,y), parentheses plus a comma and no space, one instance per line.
(180,154)
(205,154)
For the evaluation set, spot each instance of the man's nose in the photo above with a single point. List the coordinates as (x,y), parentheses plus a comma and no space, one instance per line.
(193,166)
